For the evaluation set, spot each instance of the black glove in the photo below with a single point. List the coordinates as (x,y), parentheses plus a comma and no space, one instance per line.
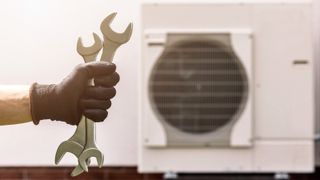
(72,98)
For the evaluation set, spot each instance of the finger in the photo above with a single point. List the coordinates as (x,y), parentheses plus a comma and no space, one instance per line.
(95,69)
(95,104)
(99,92)
(97,115)
(74,120)
(107,81)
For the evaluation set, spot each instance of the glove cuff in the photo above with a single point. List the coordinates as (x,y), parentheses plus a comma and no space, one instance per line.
(41,101)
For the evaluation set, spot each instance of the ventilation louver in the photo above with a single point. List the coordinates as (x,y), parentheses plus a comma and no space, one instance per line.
(198,85)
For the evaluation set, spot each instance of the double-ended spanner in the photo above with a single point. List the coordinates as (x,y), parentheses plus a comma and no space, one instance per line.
(77,142)
(82,143)
(112,40)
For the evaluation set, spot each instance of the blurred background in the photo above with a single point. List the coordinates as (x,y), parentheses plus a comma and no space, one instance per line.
(169,119)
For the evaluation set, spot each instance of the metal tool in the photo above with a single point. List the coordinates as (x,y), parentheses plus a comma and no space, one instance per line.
(75,146)
(112,40)
(90,149)
(82,143)
(77,142)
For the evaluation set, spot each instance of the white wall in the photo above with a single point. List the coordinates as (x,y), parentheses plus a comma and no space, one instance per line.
(317,55)
(317,51)
(38,42)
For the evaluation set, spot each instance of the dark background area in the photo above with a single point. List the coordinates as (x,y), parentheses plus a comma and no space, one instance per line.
(127,173)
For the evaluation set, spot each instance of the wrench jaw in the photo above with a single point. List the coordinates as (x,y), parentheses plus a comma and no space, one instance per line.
(128,32)
(74,144)
(112,39)
(78,170)
(68,146)
(88,51)
(119,38)
(108,33)
(88,153)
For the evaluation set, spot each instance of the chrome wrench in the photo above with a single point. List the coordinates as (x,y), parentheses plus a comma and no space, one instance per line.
(73,145)
(76,143)
(112,40)
(90,148)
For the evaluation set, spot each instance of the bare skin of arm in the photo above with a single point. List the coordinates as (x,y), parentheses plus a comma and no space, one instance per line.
(14,104)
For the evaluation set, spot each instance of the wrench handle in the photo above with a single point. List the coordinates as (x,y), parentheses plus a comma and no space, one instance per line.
(79,133)
(87,59)
(90,134)
(89,124)
(109,49)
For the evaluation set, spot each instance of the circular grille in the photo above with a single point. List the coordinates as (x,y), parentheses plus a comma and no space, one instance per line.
(198,86)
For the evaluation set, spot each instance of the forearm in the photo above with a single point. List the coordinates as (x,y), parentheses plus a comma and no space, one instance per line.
(66,101)
(14,104)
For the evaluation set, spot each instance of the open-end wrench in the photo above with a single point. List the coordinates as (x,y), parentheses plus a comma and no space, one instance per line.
(73,145)
(76,143)
(90,147)
(112,41)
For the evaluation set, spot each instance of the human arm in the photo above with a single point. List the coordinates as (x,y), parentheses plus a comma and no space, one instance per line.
(66,101)
(14,104)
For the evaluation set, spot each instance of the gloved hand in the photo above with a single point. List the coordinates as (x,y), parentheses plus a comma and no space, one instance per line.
(72,98)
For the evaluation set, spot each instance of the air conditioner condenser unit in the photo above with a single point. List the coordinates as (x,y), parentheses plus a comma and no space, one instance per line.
(226,87)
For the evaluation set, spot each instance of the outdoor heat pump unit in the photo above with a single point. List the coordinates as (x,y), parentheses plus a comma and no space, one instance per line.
(226,86)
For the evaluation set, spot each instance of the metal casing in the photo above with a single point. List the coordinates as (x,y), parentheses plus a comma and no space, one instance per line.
(283,89)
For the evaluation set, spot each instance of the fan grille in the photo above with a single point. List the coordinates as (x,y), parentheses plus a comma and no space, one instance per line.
(198,86)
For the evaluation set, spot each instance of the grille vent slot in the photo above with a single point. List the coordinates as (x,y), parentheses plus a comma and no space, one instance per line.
(198,86)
